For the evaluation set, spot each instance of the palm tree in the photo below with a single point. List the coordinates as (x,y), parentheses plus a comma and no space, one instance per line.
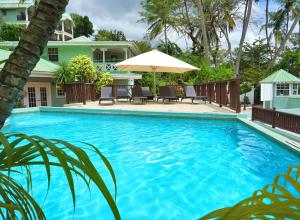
(203,28)
(157,14)
(290,11)
(268,37)
(246,19)
(18,67)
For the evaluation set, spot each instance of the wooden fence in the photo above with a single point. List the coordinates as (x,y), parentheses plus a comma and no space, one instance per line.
(224,93)
(278,119)
(80,92)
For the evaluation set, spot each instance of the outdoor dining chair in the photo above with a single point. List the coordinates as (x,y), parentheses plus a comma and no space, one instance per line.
(106,94)
(190,93)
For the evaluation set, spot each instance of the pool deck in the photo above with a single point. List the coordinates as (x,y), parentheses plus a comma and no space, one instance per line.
(184,107)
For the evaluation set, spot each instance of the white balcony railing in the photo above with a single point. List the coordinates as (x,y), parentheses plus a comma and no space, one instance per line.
(107,66)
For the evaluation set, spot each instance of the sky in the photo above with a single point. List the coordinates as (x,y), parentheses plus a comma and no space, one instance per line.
(124,15)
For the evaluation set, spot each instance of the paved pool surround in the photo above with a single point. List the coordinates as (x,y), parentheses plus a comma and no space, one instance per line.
(243,118)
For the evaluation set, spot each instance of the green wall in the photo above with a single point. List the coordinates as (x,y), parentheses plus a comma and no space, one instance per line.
(66,53)
(11,15)
(56,102)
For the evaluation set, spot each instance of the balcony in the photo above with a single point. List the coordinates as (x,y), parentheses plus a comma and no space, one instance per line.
(106,67)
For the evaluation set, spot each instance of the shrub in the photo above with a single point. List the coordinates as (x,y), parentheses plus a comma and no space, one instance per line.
(246,100)
(64,74)
(103,79)
(83,69)
(11,32)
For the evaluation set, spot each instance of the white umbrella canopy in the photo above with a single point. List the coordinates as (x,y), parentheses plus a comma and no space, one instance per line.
(155,61)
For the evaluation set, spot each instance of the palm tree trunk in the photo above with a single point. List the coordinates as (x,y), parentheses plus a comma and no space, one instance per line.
(267,28)
(247,14)
(166,39)
(21,62)
(203,29)
(283,42)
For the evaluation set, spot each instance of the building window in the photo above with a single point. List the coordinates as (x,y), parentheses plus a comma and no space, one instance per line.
(295,89)
(53,54)
(60,93)
(98,56)
(283,89)
(21,15)
(3,12)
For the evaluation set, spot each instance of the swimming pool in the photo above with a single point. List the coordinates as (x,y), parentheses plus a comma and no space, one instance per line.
(166,168)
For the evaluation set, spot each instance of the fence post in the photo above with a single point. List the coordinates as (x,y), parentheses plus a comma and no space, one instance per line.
(253,109)
(220,94)
(84,93)
(274,118)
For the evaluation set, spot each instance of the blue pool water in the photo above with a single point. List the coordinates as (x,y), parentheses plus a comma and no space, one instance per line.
(166,168)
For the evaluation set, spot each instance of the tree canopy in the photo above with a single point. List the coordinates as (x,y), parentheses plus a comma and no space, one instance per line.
(110,35)
(11,32)
(83,25)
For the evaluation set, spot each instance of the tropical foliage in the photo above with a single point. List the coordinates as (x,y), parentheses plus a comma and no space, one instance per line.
(279,200)
(110,35)
(144,46)
(207,24)
(19,153)
(82,68)
(64,74)
(83,25)
(103,79)
(290,61)
(11,32)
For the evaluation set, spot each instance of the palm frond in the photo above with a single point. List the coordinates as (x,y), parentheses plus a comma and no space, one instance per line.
(274,201)
(20,152)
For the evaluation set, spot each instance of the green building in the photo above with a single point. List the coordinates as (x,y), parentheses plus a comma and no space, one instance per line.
(280,90)
(105,55)
(14,12)
(41,89)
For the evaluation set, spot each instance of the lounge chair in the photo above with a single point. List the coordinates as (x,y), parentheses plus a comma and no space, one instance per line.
(122,93)
(190,93)
(137,94)
(168,93)
(146,92)
(106,94)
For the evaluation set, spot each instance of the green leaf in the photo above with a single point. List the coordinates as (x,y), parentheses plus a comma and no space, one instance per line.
(20,152)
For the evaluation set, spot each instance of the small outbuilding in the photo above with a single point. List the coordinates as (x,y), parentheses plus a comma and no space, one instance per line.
(280,90)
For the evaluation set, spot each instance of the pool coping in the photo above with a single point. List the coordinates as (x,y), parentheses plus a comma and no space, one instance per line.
(243,118)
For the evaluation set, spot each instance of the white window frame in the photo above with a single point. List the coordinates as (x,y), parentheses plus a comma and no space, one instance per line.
(57,94)
(50,53)
(295,89)
(283,87)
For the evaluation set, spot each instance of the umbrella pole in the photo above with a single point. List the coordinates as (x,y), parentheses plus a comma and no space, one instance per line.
(154,78)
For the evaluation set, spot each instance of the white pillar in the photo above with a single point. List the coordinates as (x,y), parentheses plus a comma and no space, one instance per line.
(63,30)
(72,31)
(26,14)
(103,55)
(126,53)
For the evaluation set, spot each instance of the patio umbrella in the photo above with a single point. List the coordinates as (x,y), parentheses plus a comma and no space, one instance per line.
(154,62)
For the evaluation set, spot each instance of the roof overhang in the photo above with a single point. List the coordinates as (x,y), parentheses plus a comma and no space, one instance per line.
(42,75)
(104,44)
(16,4)
(126,76)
